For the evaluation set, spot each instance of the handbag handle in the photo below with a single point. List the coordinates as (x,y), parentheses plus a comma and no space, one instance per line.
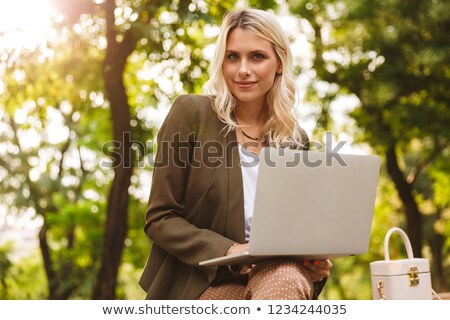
(405,239)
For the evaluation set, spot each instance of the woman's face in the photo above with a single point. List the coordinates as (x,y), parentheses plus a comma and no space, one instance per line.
(249,66)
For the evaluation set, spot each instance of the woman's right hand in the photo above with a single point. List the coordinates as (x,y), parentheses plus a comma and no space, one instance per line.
(238,248)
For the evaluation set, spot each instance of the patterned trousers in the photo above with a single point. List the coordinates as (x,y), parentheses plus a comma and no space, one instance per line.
(274,279)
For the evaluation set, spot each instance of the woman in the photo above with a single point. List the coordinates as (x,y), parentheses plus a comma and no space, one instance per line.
(201,199)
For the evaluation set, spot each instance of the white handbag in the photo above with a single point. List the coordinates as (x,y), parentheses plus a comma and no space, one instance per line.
(404,279)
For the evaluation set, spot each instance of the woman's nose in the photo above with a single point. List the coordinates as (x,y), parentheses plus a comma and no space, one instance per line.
(244,70)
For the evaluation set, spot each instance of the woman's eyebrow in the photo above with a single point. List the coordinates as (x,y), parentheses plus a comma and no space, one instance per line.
(251,52)
(260,51)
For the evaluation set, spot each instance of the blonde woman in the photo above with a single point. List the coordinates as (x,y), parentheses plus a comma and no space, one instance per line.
(201,201)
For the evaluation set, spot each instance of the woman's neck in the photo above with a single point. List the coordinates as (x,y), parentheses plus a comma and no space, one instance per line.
(250,114)
(251,117)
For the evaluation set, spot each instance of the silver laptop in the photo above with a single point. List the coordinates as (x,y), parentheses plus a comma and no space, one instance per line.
(310,205)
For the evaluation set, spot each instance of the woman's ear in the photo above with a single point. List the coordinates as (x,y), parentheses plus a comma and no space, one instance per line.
(280,69)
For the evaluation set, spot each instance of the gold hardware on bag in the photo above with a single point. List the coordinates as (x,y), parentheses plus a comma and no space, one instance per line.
(413,276)
(380,289)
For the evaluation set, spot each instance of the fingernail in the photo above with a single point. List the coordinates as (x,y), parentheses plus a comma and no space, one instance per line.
(316,263)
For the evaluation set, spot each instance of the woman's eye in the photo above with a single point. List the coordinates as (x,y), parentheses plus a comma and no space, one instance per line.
(258,56)
(232,56)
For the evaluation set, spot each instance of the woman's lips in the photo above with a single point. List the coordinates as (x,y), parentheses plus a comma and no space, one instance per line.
(245,84)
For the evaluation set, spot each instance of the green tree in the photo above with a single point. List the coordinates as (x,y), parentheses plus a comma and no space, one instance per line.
(52,113)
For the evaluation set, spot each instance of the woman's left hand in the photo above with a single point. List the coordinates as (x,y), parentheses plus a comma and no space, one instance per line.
(318,269)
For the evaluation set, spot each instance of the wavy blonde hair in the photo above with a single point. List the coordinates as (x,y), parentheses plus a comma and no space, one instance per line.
(281,123)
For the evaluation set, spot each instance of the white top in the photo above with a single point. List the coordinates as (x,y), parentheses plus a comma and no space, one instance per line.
(249,167)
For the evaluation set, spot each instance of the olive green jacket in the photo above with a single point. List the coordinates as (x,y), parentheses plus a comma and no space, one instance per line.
(196,205)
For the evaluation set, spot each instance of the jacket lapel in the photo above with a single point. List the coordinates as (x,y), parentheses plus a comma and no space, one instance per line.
(235,227)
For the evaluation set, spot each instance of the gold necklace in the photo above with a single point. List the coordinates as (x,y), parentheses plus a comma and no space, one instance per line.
(254,139)
(250,137)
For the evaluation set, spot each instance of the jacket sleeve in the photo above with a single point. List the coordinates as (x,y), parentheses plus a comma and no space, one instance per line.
(318,286)
(166,222)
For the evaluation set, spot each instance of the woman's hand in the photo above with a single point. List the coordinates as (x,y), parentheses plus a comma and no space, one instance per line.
(318,269)
(238,248)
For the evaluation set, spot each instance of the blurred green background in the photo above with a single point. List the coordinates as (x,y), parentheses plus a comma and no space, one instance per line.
(85,84)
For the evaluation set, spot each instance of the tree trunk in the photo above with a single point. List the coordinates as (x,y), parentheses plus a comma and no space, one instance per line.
(116,224)
(405,192)
(48,265)
(437,269)
(437,242)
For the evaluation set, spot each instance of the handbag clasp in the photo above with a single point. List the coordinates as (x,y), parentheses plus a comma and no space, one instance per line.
(413,276)
(380,289)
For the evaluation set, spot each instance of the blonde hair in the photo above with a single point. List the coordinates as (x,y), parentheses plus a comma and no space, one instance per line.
(281,123)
